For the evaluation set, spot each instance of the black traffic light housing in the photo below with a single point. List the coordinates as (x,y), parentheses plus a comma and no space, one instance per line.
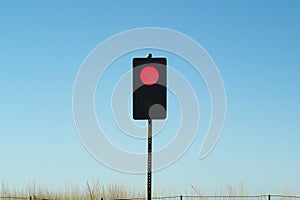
(149,88)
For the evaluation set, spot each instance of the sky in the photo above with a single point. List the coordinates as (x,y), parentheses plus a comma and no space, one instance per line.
(254,44)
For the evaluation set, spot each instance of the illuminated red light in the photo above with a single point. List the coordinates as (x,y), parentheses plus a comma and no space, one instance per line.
(149,75)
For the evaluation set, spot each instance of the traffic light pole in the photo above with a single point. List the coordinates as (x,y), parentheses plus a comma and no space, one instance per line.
(149,161)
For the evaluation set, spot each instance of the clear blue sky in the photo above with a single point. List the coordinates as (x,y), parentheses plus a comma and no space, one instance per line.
(255,44)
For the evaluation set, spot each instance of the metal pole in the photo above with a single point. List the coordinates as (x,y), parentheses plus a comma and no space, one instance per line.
(149,161)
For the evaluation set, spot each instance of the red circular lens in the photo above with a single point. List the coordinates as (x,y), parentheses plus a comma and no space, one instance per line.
(149,75)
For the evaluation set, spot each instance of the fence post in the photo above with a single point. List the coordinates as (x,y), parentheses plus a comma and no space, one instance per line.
(180,197)
(269,197)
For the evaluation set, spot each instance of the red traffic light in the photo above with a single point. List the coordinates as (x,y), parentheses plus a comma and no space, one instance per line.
(149,75)
(149,84)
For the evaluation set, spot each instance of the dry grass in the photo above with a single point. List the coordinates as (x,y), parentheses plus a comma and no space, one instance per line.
(230,193)
(97,191)
(94,191)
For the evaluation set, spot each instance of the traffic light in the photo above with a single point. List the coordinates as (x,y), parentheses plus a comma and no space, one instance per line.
(149,88)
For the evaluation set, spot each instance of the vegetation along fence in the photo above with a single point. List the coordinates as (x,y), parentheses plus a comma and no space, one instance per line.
(180,197)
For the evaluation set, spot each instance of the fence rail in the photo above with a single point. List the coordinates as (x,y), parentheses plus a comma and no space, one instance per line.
(180,197)
(225,197)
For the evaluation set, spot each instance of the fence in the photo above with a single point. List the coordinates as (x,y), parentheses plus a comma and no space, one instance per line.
(183,197)
(223,197)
